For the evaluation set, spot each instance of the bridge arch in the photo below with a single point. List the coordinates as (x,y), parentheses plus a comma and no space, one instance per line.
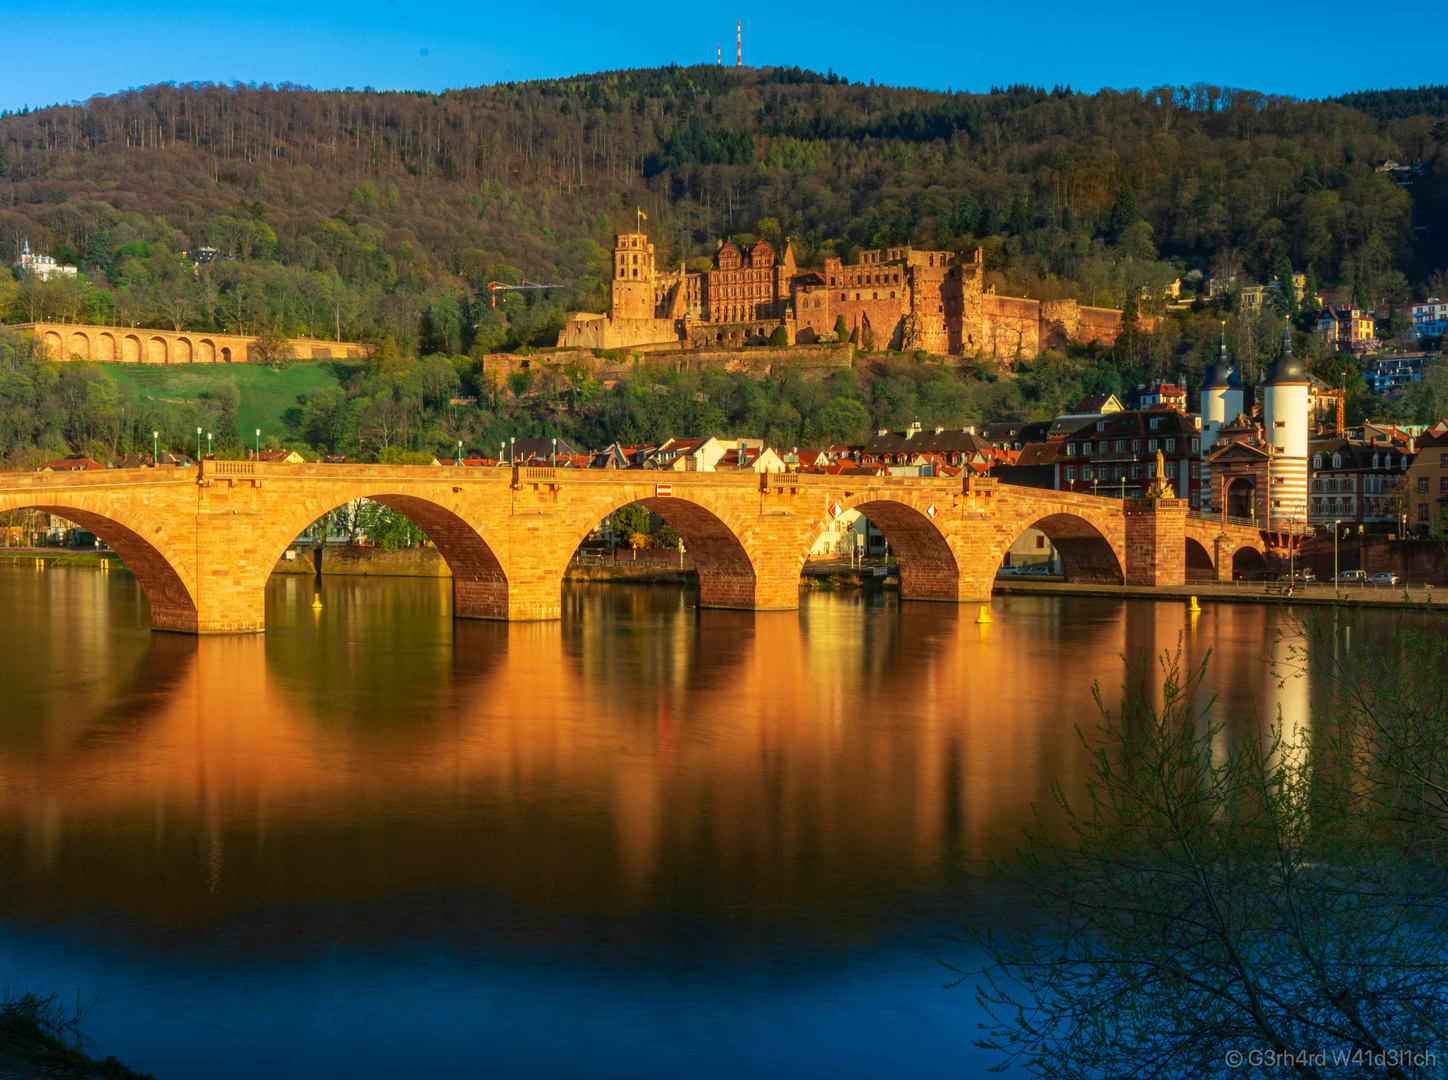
(1199,563)
(929,569)
(726,572)
(172,596)
(480,584)
(1087,554)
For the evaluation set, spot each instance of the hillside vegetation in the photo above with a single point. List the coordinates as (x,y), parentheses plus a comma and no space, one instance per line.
(383,216)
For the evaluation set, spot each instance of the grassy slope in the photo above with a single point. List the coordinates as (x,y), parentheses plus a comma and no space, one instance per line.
(265,394)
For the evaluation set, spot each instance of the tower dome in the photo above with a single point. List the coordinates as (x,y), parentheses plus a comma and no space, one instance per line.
(1222,375)
(1287,368)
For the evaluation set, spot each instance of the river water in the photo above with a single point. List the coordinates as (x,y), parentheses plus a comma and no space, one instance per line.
(645,841)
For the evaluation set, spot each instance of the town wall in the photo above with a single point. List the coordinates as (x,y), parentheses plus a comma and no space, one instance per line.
(1011,326)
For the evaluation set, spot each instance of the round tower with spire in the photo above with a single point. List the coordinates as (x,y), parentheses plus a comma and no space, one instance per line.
(1222,394)
(1222,402)
(1285,428)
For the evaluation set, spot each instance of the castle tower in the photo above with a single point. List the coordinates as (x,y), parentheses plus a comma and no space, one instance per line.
(633,277)
(1285,429)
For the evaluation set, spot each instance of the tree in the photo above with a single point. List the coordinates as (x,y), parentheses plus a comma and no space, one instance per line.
(842,421)
(628,520)
(780,337)
(227,399)
(271,348)
(1125,212)
(1229,889)
(842,329)
(520,382)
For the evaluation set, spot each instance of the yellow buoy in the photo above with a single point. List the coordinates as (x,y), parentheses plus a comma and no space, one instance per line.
(984,616)
(1194,606)
(316,600)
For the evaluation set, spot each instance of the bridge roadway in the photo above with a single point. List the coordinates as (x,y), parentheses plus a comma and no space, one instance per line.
(203,540)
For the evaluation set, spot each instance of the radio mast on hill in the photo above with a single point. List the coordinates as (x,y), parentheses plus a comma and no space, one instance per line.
(719,49)
(739,44)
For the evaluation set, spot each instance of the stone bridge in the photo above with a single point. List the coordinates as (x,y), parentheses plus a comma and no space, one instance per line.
(203,540)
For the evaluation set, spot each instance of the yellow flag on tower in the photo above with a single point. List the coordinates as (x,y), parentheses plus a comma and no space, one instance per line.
(643,215)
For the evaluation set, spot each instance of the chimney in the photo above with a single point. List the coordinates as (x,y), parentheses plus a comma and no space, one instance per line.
(939,430)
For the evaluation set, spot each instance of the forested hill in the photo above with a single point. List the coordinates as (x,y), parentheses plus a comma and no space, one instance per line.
(380,214)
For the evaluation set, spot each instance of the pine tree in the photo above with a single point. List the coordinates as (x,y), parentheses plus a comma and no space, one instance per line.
(1125,213)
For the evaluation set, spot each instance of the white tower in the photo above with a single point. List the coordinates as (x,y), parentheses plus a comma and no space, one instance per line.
(1222,394)
(1285,429)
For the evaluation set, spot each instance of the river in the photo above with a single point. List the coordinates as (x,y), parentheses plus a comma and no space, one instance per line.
(645,841)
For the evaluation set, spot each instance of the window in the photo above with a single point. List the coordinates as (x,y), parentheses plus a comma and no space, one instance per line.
(1070,449)
(1151,446)
(1101,425)
(1040,541)
(1121,446)
(1443,462)
(1070,472)
(1136,446)
(1196,446)
(1422,511)
(1087,472)
(1155,422)
(1170,445)
(1443,485)
(1136,472)
(1422,485)
(1337,461)
(1171,470)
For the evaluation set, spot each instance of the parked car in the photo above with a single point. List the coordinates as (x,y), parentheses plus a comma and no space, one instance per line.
(1258,575)
(1384,579)
(1351,576)
(1304,575)
(1039,571)
(1010,571)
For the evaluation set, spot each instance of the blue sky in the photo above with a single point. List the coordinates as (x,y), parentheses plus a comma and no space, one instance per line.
(65,52)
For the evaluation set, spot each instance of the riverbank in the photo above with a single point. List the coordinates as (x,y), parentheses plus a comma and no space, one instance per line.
(628,575)
(1316,595)
(32,1046)
(54,556)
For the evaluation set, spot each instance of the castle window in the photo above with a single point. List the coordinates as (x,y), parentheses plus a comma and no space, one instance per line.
(842,296)
(892,294)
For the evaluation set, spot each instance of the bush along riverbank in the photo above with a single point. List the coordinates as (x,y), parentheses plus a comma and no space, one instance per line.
(39,1037)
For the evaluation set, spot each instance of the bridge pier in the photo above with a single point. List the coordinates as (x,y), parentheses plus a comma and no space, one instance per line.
(1156,541)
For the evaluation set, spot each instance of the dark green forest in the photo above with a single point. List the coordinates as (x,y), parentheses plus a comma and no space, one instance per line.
(381,217)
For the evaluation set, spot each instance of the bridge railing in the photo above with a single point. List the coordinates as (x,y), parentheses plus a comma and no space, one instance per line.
(231,468)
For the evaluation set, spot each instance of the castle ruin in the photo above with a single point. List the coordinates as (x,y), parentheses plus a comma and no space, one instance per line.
(897,298)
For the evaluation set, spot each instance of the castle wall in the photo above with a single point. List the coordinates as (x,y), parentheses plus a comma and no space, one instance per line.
(1011,326)
(585,330)
(1100,326)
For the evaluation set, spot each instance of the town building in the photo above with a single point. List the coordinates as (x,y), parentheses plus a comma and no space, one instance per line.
(915,447)
(1430,318)
(1116,455)
(1391,372)
(898,298)
(43,266)
(1346,329)
(1353,481)
(1427,488)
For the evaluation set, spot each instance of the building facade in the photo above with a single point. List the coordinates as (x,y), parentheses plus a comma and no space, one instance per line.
(1430,318)
(1116,455)
(1346,328)
(1353,481)
(1426,496)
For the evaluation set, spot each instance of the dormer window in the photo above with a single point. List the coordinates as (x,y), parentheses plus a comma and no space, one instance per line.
(1155,422)
(1337,461)
(1101,425)
(1317,461)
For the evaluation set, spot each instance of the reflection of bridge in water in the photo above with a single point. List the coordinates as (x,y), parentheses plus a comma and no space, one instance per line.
(202,541)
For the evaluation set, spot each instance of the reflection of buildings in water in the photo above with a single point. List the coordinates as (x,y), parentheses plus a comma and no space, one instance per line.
(641,754)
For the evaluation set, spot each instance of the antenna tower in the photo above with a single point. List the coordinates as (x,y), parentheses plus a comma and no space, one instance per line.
(719,50)
(739,44)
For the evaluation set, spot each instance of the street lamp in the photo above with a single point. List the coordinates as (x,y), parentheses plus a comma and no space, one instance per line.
(208,444)
(500,455)
(1336,528)
(512,451)
(555,453)
(460,451)
(155,435)
(198,444)
(258,444)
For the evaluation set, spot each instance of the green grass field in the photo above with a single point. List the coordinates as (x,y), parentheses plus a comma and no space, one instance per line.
(265,393)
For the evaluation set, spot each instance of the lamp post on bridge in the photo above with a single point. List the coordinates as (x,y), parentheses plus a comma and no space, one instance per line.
(258,444)
(460,451)
(512,451)
(198,444)
(155,441)
(554,459)
(208,444)
(1336,528)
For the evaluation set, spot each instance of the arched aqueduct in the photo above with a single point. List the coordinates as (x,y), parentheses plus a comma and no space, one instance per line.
(202,541)
(129,345)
